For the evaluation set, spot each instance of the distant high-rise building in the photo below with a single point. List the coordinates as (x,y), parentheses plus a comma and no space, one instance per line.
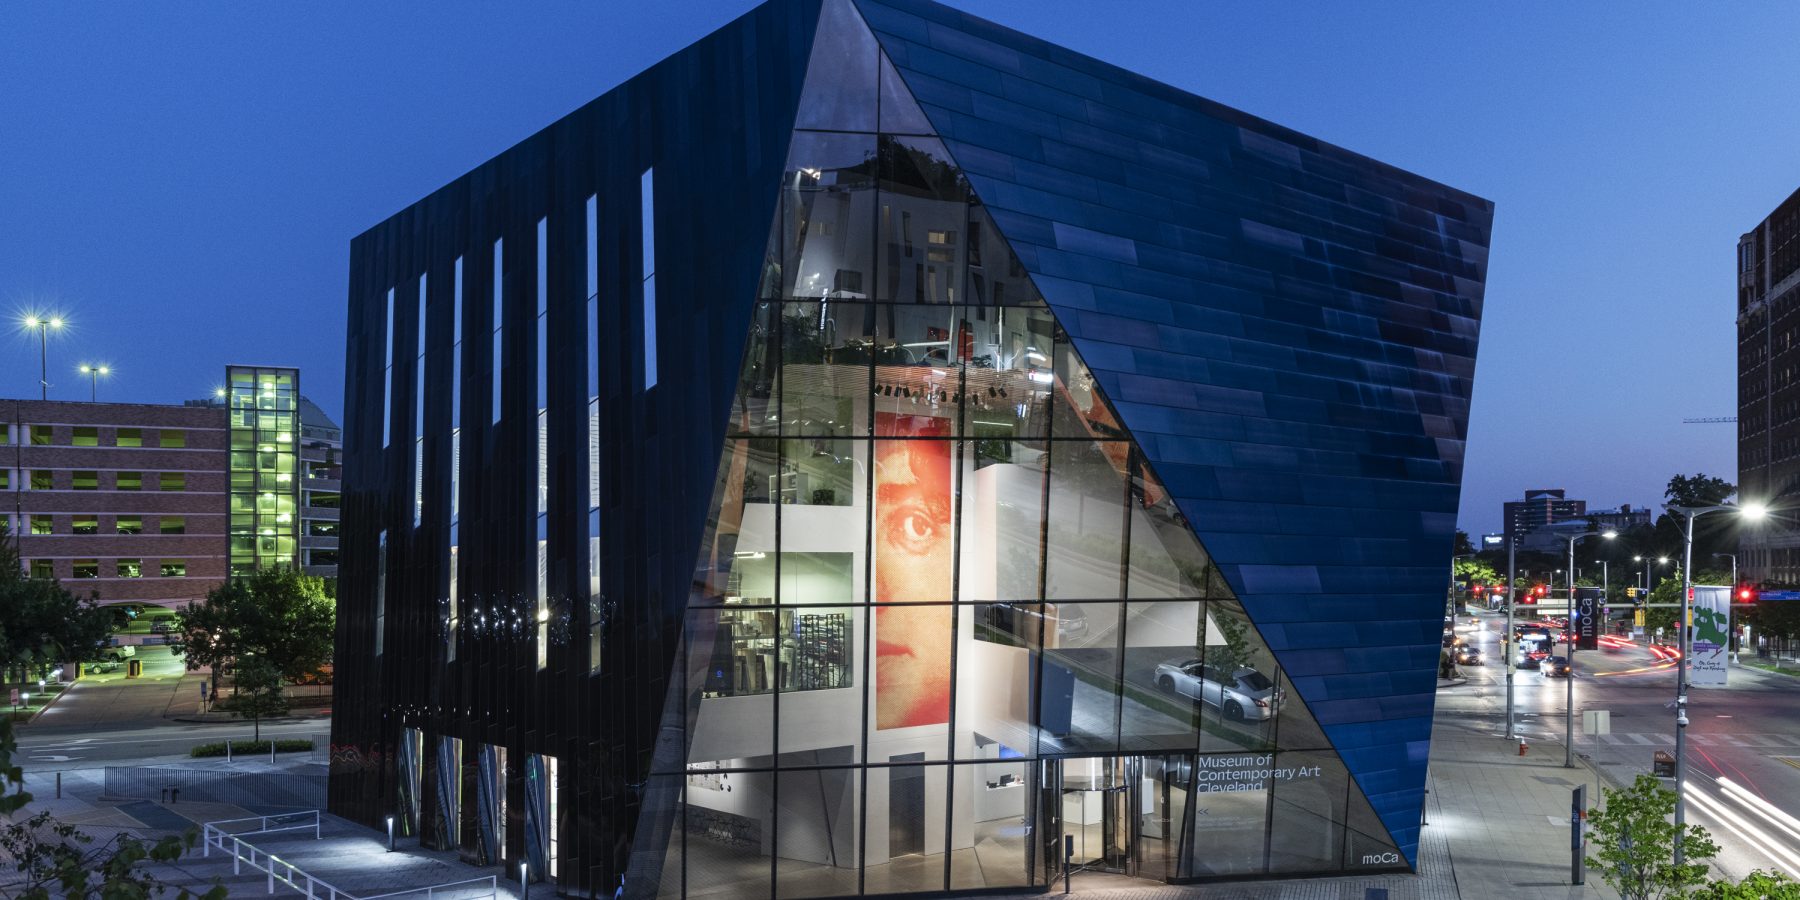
(1545,506)
(1768,392)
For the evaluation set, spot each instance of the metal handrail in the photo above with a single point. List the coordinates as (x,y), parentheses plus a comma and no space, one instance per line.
(314,888)
(492,881)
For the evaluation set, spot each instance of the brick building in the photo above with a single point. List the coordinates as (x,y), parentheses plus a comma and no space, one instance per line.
(126,500)
(141,503)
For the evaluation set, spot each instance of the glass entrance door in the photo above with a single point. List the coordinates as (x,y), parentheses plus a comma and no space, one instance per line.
(1100,799)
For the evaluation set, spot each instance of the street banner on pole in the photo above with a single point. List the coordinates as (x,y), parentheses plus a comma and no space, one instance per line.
(1586,619)
(1712,612)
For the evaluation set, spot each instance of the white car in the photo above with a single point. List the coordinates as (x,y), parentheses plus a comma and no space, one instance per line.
(1245,694)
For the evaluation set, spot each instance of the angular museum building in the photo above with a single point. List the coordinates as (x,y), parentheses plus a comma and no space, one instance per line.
(877,452)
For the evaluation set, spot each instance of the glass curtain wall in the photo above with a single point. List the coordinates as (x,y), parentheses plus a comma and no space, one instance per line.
(938,570)
(264,494)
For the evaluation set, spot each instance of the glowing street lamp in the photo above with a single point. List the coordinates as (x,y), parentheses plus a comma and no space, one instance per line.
(44,325)
(1683,640)
(94,373)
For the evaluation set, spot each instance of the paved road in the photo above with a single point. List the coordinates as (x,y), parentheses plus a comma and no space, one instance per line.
(1743,754)
(49,750)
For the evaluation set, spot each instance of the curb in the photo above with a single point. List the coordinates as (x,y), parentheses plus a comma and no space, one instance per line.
(1451,682)
(67,687)
(227,719)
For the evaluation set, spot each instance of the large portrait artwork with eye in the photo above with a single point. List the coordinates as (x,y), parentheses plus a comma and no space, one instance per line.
(913,565)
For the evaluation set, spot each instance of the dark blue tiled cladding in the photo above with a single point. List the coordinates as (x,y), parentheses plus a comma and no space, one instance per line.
(1288,329)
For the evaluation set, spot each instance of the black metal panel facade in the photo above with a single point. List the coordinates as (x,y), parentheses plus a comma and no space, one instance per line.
(712,123)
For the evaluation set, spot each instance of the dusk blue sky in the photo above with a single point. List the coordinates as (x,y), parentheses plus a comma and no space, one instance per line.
(183,180)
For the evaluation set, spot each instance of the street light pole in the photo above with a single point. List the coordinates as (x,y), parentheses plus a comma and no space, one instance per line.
(43,325)
(1569,629)
(1682,643)
(1506,639)
(94,373)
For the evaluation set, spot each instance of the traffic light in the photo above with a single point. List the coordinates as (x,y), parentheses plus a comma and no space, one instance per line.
(1746,594)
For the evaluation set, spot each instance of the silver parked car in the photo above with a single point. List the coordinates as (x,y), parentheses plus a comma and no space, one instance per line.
(1245,694)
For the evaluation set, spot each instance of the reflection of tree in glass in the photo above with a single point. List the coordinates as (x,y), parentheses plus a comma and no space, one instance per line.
(1236,652)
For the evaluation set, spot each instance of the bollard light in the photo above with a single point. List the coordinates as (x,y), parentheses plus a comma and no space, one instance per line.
(390,824)
(26,697)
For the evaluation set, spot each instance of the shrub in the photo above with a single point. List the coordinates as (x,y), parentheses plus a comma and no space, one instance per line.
(251,748)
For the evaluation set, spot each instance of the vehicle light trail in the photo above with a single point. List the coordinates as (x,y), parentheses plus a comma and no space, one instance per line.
(1750,833)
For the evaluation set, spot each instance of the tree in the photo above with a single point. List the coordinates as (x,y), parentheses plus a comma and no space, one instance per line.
(1636,837)
(1462,546)
(1474,571)
(279,615)
(259,694)
(1698,490)
(47,857)
(41,622)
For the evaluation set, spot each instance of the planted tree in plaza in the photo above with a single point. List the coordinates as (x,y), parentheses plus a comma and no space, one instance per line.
(259,693)
(41,622)
(45,857)
(279,615)
(1633,837)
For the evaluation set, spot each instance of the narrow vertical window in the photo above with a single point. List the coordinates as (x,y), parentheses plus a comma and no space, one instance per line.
(646,185)
(541,398)
(591,345)
(454,612)
(499,318)
(419,414)
(380,592)
(387,377)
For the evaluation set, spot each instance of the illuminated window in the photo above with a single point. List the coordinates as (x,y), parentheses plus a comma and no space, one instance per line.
(173,569)
(419,414)
(646,187)
(87,568)
(85,480)
(499,296)
(173,525)
(131,437)
(540,401)
(41,480)
(85,525)
(85,437)
(129,525)
(130,568)
(43,568)
(591,346)
(43,525)
(41,435)
(454,613)
(172,437)
(172,481)
(387,376)
(380,592)
(129,481)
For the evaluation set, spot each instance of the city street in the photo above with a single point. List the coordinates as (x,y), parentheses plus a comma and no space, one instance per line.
(1743,750)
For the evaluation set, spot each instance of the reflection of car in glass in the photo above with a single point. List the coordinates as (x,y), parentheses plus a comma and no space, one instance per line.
(1071,623)
(1467,655)
(1244,694)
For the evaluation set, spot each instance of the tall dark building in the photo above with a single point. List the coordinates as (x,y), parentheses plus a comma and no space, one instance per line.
(1768,392)
(871,446)
(1543,506)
